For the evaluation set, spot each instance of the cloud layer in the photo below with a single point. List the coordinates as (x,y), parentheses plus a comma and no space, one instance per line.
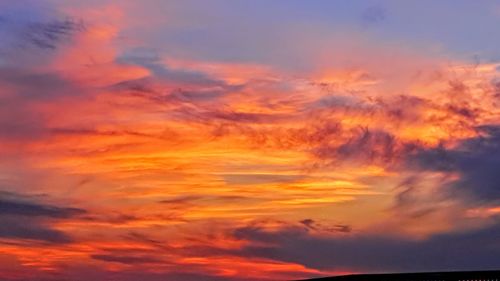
(168,141)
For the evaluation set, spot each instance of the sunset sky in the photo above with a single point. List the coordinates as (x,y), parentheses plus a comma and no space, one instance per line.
(247,139)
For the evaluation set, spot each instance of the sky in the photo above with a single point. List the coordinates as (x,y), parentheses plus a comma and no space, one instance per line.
(247,140)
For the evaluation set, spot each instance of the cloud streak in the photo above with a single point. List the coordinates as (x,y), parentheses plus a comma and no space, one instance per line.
(25,219)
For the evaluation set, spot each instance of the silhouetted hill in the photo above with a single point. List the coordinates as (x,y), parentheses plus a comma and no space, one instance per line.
(493,275)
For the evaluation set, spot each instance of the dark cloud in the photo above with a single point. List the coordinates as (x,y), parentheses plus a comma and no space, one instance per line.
(246,117)
(32,35)
(374,253)
(181,200)
(369,144)
(476,160)
(184,90)
(337,101)
(151,60)
(152,88)
(110,218)
(126,259)
(182,95)
(49,34)
(23,218)
(28,228)
(117,133)
(26,34)
(315,226)
(135,236)
(25,205)
(365,146)
(30,209)
(331,141)
(309,223)
(464,110)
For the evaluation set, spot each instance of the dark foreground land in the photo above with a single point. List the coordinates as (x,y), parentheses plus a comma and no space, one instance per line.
(431,276)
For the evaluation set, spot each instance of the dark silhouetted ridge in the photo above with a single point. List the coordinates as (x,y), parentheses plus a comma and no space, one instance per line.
(493,275)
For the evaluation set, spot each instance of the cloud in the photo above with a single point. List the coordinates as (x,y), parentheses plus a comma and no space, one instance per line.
(27,78)
(245,117)
(184,89)
(26,219)
(30,209)
(472,250)
(48,35)
(475,160)
(31,32)
(32,229)
(365,146)
(150,125)
(85,273)
(126,259)
(315,226)
(259,178)
(181,77)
